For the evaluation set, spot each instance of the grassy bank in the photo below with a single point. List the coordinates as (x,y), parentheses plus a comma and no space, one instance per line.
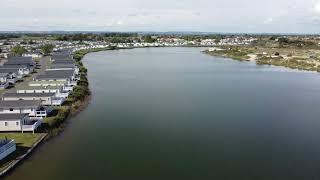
(231,52)
(289,57)
(23,143)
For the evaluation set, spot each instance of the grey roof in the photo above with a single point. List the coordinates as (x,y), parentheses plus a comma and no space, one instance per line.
(14,66)
(20,103)
(9,70)
(20,58)
(61,56)
(20,95)
(12,117)
(4,74)
(63,65)
(56,74)
(20,61)
(64,61)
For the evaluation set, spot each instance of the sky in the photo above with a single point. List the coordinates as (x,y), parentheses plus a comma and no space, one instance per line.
(230,16)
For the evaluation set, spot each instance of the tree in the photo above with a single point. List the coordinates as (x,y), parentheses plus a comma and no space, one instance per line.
(149,39)
(47,49)
(18,50)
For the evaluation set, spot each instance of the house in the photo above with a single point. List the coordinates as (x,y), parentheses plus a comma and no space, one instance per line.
(18,122)
(32,54)
(58,90)
(25,61)
(61,83)
(4,84)
(31,107)
(61,56)
(13,75)
(47,99)
(23,70)
(7,146)
(59,75)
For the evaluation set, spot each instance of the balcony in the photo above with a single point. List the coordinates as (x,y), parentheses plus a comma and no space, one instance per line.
(31,125)
(57,101)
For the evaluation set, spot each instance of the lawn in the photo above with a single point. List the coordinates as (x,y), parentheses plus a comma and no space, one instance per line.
(24,141)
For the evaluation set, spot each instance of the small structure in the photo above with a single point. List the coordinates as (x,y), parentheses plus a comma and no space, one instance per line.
(18,122)
(7,146)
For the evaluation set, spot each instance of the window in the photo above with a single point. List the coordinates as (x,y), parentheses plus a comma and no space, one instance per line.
(11,109)
(5,123)
(17,123)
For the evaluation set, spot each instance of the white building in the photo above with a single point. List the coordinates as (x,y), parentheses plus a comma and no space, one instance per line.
(18,122)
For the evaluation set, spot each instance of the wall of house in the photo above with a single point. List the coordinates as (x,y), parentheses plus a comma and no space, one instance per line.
(45,100)
(10,125)
(30,111)
(39,91)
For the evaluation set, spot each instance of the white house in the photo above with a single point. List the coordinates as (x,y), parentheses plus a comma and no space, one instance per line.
(58,90)
(18,122)
(61,83)
(47,99)
(31,107)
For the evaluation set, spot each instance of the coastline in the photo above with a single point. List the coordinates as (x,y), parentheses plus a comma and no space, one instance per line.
(270,61)
(52,131)
(79,105)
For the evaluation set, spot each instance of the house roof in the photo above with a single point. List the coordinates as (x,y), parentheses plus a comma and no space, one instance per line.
(27,87)
(56,74)
(18,95)
(63,65)
(20,61)
(15,66)
(4,74)
(62,82)
(20,58)
(12,117)
(9,70)
(20,104)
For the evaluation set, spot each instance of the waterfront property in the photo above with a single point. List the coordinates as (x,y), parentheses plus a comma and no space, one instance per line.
(18,122)
(47,99)
(31,107)
(7,146)
(22,70)
(58,90)
(21,61)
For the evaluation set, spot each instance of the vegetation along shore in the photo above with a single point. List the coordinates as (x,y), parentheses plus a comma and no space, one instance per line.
(54,124)
(285,52)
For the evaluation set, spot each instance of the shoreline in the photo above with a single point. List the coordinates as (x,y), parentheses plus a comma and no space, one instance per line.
(15,163)
(78,106)
(258,63)
(53,131)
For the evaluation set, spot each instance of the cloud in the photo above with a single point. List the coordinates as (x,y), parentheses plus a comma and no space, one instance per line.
(164,15)
(268,21)
(317,7)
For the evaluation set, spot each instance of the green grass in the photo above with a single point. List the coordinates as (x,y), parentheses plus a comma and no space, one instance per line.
(24,142)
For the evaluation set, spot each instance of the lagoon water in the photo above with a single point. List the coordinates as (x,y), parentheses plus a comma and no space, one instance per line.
(176,113)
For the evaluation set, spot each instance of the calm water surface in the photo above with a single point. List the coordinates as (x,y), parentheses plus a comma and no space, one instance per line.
(174,113)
